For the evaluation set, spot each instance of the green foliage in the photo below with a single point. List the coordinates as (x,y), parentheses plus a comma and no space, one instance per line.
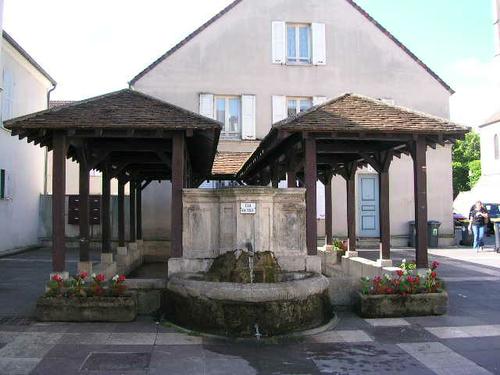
(474,172)
(466,163)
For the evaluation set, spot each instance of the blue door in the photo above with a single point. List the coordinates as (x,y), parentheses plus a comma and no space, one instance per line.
(368,205)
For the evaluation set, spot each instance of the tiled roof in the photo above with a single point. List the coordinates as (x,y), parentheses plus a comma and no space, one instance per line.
(236,2)
(59,103)
(229,163)
(27,56)
(121,109)
(357,113)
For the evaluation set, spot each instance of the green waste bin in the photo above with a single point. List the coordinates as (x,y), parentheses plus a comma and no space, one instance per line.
(432,233)
(496,227)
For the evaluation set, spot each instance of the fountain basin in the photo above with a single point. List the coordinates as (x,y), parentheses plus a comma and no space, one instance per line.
(298,302)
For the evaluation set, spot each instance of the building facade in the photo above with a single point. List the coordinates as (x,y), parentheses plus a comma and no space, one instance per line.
(25,89)
(260,61)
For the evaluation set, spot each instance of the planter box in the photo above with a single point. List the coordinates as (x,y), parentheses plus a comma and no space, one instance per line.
(392,306)
(94,309)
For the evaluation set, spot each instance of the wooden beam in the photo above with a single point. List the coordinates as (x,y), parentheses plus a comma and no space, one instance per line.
(145,184)
(106,210)
(121,212)
(139,210)
(178,164)
(291,179)
(310,172)
(84,212)
(132,212)
(420,194)
(350,176)
(58,201)
(328,211)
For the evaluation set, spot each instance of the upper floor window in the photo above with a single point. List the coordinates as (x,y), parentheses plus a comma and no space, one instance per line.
(3,184)
(297,105)
(228,111)
(298,43)
(496,147)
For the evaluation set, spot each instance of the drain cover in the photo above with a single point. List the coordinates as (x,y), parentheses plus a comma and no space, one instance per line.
(116,361)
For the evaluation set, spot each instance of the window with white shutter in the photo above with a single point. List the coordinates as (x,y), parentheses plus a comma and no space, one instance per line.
(318,44)
(295,105)
(318,100)
(207,105)
(279,108)
(248,120)
(228,111)
(279,42)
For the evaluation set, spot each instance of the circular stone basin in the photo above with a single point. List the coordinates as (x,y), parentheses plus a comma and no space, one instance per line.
(298,302)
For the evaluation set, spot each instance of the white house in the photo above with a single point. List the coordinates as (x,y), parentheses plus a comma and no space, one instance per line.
(259,61)
(25,89)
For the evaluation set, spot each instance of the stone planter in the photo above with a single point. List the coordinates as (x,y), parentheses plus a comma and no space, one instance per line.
(392,306)
(93,309)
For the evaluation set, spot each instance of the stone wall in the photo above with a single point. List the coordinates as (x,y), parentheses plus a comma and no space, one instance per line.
(214,224)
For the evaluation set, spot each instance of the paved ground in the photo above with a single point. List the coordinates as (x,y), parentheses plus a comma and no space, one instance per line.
(466,341)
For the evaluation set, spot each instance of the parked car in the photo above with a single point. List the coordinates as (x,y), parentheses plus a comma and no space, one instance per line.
(494,212)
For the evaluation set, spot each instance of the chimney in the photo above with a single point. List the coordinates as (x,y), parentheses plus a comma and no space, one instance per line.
(496,25)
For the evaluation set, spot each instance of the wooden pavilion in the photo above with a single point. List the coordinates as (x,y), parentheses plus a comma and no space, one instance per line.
(129,136)
(338,137)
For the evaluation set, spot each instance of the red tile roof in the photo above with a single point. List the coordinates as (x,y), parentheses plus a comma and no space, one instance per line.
(229,163)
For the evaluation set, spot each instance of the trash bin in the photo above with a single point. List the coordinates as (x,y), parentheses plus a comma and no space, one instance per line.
(466,234)
(496,227)
(433,233)
(411,234)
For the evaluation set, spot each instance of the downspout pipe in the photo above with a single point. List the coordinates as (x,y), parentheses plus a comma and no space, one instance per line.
(46,168)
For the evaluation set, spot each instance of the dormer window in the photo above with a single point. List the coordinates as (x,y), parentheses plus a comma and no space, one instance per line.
(298,43)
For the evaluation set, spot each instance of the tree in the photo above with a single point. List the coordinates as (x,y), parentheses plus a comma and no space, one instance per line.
(466,163)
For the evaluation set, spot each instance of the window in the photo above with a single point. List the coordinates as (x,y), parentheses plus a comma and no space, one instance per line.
(228,111)
(496,147)
(298,38)
(2,184)
(297,105)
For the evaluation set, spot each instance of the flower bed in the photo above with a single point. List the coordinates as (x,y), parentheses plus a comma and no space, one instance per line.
(405,294)
(83,300)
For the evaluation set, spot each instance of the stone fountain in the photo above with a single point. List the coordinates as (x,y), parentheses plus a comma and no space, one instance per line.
(276,290)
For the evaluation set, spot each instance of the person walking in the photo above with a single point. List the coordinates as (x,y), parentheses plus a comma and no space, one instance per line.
(478,218)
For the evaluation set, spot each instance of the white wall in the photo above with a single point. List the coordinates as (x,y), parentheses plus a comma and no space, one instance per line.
(24,163)
(489,165)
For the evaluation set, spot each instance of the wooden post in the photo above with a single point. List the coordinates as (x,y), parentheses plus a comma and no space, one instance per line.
(121,212)
(310,175)
(139,210)
(351,212)
(106,204)
(84,212)
(275,180)
(384,209)
(420,195)
(291,179)
(178,147)
(328,211)
(133,230)
(58,202)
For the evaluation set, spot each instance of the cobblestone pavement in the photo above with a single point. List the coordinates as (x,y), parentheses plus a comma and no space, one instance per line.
(466,341)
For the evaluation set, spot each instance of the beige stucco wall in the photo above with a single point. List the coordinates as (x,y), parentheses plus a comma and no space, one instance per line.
(24,163)
(233,57)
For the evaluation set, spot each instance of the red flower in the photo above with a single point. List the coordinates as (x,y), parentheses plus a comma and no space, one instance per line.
(434,265)
(100,277)
(377,279)
(83,275)
(433,274)
(121,279)
(389,290)
(57,278)
(399,273)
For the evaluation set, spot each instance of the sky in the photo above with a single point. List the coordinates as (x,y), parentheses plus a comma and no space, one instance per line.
(95,46)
